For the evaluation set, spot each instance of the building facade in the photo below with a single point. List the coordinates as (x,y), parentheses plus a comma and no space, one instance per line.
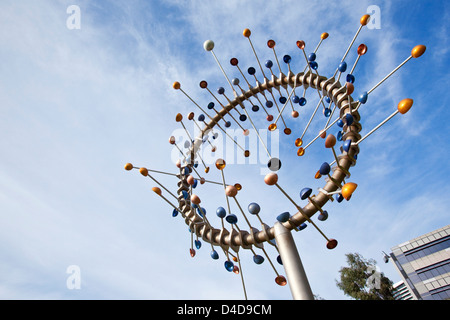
(424,264)
(401,291)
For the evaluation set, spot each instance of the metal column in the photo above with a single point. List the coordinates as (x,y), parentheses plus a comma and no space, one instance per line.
(295,274)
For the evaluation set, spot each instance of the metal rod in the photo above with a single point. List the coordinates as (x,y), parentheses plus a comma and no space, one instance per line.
(295,273)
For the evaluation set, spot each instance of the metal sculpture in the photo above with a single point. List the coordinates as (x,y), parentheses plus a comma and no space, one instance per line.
(261,96)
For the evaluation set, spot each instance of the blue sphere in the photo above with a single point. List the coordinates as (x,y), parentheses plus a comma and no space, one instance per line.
(314,65)
(201,117)
(302,101)
(269,64)
(210,105)
(327,99)
(302,226)
(295,99)
(227,124)
(198,244)
(305,193)
(201,211)
(342,66)
(350,78)
(282,100)
(231,218)
(340,123)
(229,265)
(221,212)
(255,108)
(269,104)
(325,168)
(242,117)
(279,260)
(258,259)
(214,255)
(323,216)
(348,119)
(326,112)
(287,58)
(339,136)
(347,144)
(174,213)
(283,217)
(312,57)
(363,97)
(221,90)
(251,71)
(254,208)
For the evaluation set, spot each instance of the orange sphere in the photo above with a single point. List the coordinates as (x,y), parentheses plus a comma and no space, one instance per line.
(348,189)
(271,44)
(271,178)
(176,85)
(272,127)
(364,19)
(143,171)
(220,164)
(247,153)
(295,114)
(323,134)
(247,33)
(178,117)
(190,115)
(128,166)
(324,35)
(157,190)
(418,50)
(404,105)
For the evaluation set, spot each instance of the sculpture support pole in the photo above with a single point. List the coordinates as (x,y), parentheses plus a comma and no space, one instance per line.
(295,273)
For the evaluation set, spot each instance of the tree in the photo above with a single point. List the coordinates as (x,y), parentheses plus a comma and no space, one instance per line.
(361,280)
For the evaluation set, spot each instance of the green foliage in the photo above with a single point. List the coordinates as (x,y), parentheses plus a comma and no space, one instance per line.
(360,282)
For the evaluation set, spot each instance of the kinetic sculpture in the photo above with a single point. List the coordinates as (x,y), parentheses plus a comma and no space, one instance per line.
(332,96)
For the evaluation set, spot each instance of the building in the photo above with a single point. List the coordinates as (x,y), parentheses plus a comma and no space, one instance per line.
(424,265)
(401,291)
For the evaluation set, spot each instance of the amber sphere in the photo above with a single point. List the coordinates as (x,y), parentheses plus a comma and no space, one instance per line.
(418,50)
(404,105)
(143,171)
(247,33)
(156,190)
(364,19)
(128,166)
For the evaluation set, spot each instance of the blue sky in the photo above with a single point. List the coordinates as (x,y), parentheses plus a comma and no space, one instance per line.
(76,105)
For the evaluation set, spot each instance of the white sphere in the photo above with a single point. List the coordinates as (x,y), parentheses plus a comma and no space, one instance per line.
(208,45)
